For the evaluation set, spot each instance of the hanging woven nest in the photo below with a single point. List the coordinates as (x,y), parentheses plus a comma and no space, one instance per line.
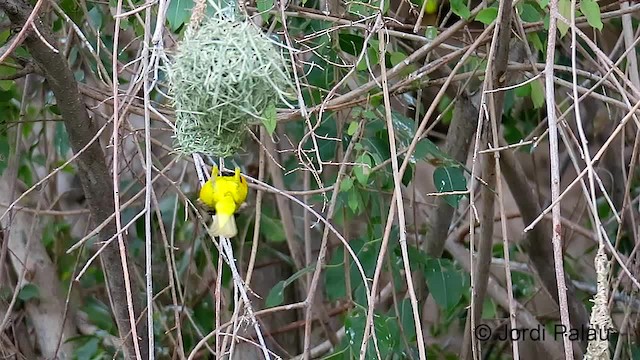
(223,77)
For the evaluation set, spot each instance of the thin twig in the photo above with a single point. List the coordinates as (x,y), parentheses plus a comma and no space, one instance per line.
(148,185)
(555,176)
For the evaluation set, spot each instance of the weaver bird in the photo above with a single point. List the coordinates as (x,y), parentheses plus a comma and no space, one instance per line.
(224,194)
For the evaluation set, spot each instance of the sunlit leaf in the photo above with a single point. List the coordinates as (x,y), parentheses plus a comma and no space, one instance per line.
(353,127)
(564,8)
(487,16)
(397,57)
(591,10)
(460,8)
(363,169)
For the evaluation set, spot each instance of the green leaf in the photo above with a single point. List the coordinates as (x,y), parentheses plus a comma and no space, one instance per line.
(340,353)
(564,8)
(351,43)
(408,175)
(276,295)
(178,13)
(591,10)
(346,184)
(377,147)
(353,127)
(397,57)
(427,150)
(487,16)
(72,9)
(4,35)
(354,329)
(523,90)
(534,38)
(446,283)
(272,229)
(95,17)
(386,329)
(354,201)
(54,109)
(372,55)
(61,140)
(445,108)
(460,8)
(335,276)
(88,350)
(363,169)
(28,292)
(4,152)
(448,179)
(54,231)
(404,128)
(537,94)
(263,7)
(529,14)
(6,85)
(489,309)
(270,119)
(406,319)
(360,8)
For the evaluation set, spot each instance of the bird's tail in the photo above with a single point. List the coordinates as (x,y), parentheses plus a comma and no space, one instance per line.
(223,225)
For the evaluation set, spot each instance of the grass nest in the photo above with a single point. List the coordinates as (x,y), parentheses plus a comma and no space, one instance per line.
(224,76)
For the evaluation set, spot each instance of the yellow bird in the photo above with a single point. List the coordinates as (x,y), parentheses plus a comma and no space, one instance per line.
(224,194)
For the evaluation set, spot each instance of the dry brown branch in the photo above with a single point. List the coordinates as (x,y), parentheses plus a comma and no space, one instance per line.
(92,168)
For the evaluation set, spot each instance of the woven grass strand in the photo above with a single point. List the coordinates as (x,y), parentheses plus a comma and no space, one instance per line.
(598,348)
(223,77)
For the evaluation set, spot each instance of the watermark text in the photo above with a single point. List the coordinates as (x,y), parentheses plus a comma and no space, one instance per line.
(484,332)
